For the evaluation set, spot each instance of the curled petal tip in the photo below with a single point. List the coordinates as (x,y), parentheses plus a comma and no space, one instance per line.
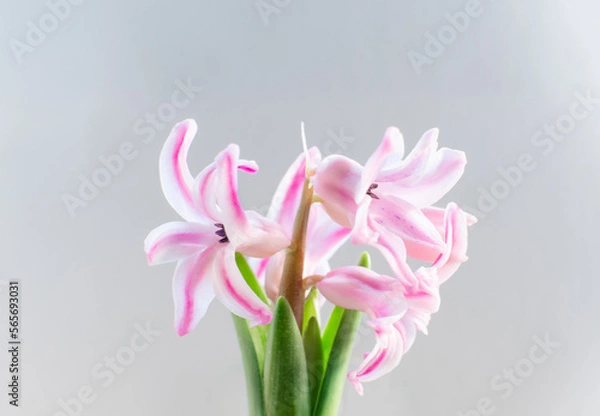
(264,318)
(182,332)
(471,219)
(353,378)
(248,166)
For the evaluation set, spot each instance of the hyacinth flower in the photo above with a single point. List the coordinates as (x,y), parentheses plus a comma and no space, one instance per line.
(216,227)
(383,201)
(359,289)
(273,272)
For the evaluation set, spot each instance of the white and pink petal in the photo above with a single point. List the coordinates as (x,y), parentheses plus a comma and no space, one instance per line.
(193,289)
(234,293)
(176,240)
(175,176)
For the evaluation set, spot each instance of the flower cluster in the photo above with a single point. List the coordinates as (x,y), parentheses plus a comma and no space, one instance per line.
(386,204)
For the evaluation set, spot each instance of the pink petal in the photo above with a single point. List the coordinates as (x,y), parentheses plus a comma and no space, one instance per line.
(258,266)
(286,199)
(391,145)
(443,171)
(324,237)
(424,296)
(205,195)
(407,328)
(193,289)
(232,290)
(359,288)
(393,249)
(436,216)
(205,185)
(248,166)
(406,221)
(273,275)
(336,182)
(456,240)
(226,190)
(384,358)
(412,168)
(175,176)
(261,238)
(363,232)
(175,240)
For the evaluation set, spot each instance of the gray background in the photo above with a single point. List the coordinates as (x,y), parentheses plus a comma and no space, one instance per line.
(343,68)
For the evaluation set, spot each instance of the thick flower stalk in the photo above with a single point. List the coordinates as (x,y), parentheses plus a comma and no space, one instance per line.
(273,272)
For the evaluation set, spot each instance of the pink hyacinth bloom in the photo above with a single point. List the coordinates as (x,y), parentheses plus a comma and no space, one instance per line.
(215,228)
(383,201)
(398,311)
(323,235)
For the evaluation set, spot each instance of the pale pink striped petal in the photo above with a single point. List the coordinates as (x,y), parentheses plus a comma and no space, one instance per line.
(273,275)
(175,176)
(407,328)
(424,296)
(248,166)
(406,221)
(324,238)
(193,289)
(175,240)
(392,145)
(232,290)
(413,167)
(443,171)
(384,358)
(205,195)
(204,188)
(226,191)
(286,199)
(363,233)
(436,216)
(359,288)
(456,241)
(336,182)
(261,238)
(393,249)
(258,266)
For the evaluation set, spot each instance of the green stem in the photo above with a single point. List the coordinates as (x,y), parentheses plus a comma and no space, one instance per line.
(291,282)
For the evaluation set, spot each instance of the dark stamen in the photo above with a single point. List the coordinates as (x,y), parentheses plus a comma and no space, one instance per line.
(370,191)
(221,233)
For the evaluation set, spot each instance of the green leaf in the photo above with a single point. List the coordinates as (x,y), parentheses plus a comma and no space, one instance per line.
(331,330)
(285,374)
(257,333)
(332,386)
(249,277)
(338,341)
(314,359)
(311,307)
(252,368)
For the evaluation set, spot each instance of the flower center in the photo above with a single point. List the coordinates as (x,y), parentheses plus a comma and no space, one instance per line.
(370,191)
(221,233)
